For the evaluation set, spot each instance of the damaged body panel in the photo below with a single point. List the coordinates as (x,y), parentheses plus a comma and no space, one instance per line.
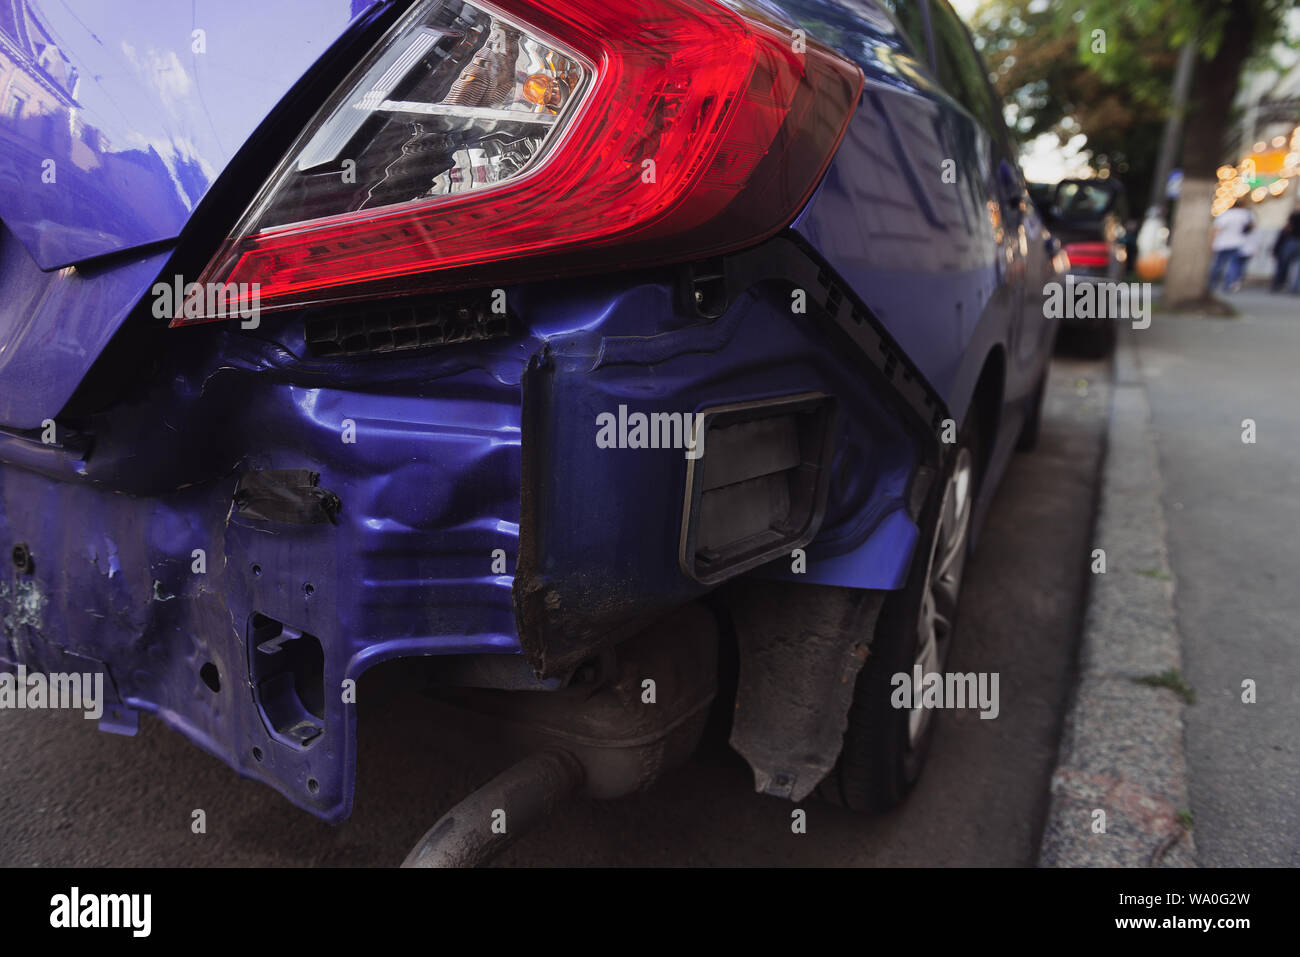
(161,552)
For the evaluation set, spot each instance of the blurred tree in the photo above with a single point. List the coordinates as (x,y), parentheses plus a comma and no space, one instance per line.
(1033,50)
(1228,33)
(1103,68)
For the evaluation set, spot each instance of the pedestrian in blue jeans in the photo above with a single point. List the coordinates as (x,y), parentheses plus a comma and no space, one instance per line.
(1231,229)
(1245,253)
(1286,251)
(1222,267)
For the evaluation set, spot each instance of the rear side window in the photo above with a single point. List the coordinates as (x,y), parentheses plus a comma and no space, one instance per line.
(857,27)
(910,17)
(960,70)
(1083,200)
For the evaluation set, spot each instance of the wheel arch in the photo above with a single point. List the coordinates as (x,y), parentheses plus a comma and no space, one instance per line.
(987,400)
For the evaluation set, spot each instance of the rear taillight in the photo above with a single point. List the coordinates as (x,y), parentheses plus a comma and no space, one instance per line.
(496,142)
(1088,255)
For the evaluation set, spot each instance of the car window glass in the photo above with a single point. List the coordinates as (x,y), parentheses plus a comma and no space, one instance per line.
(960,70)
(853,26)
(1082,200)
(910,17)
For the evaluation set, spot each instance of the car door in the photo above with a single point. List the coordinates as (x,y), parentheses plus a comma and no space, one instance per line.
(1017,231)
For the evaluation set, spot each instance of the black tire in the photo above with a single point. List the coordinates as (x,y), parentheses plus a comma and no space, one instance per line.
(1101,339)
(878,765)
(1092,340)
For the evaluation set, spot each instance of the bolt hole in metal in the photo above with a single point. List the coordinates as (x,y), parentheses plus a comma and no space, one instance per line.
(943,583)
(211,677)
(257,754)
(22,558)
(308,589)
(257,569)
(312,785)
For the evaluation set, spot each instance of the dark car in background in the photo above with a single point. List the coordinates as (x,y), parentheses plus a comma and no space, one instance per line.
(1087,217)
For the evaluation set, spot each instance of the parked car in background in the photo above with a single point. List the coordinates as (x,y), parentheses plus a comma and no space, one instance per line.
(542,347)
(1088,217)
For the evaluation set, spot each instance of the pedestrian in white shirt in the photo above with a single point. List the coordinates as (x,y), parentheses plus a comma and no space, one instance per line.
(1231,230)
(1245,253)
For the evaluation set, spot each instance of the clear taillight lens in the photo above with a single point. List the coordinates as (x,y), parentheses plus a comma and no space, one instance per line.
(496,142)
(461,99)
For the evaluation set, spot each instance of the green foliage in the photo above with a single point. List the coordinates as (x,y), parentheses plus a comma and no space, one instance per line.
(1174,22)
(1041,58)
(1048,64)
(1171,679)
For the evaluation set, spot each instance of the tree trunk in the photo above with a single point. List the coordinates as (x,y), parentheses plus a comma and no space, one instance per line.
(1214,87)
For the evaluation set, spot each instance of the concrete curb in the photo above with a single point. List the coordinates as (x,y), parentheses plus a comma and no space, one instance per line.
(1122,747)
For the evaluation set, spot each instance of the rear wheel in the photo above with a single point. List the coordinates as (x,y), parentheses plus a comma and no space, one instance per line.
(885,747)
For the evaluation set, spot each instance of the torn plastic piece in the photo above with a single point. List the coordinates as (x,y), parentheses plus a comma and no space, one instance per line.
(286,495)
(801,648)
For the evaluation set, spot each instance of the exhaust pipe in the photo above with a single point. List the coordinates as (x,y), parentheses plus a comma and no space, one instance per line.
(500,812)
(598,736)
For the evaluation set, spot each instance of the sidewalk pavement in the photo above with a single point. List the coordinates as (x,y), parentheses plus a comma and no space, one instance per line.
(1119,792)
(1200,522)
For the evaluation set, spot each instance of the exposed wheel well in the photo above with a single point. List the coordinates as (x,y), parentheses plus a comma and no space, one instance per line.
(986,400)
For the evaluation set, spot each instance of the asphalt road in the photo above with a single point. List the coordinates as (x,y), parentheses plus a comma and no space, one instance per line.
(74,797)
(1233,514)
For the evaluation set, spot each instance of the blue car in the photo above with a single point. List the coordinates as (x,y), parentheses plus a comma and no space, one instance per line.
(554,348)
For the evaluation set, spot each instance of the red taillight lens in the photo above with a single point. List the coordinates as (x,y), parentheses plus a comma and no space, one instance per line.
(524,138)
(1088,255)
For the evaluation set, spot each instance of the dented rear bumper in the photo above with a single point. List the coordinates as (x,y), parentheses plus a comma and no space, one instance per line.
(235,538)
